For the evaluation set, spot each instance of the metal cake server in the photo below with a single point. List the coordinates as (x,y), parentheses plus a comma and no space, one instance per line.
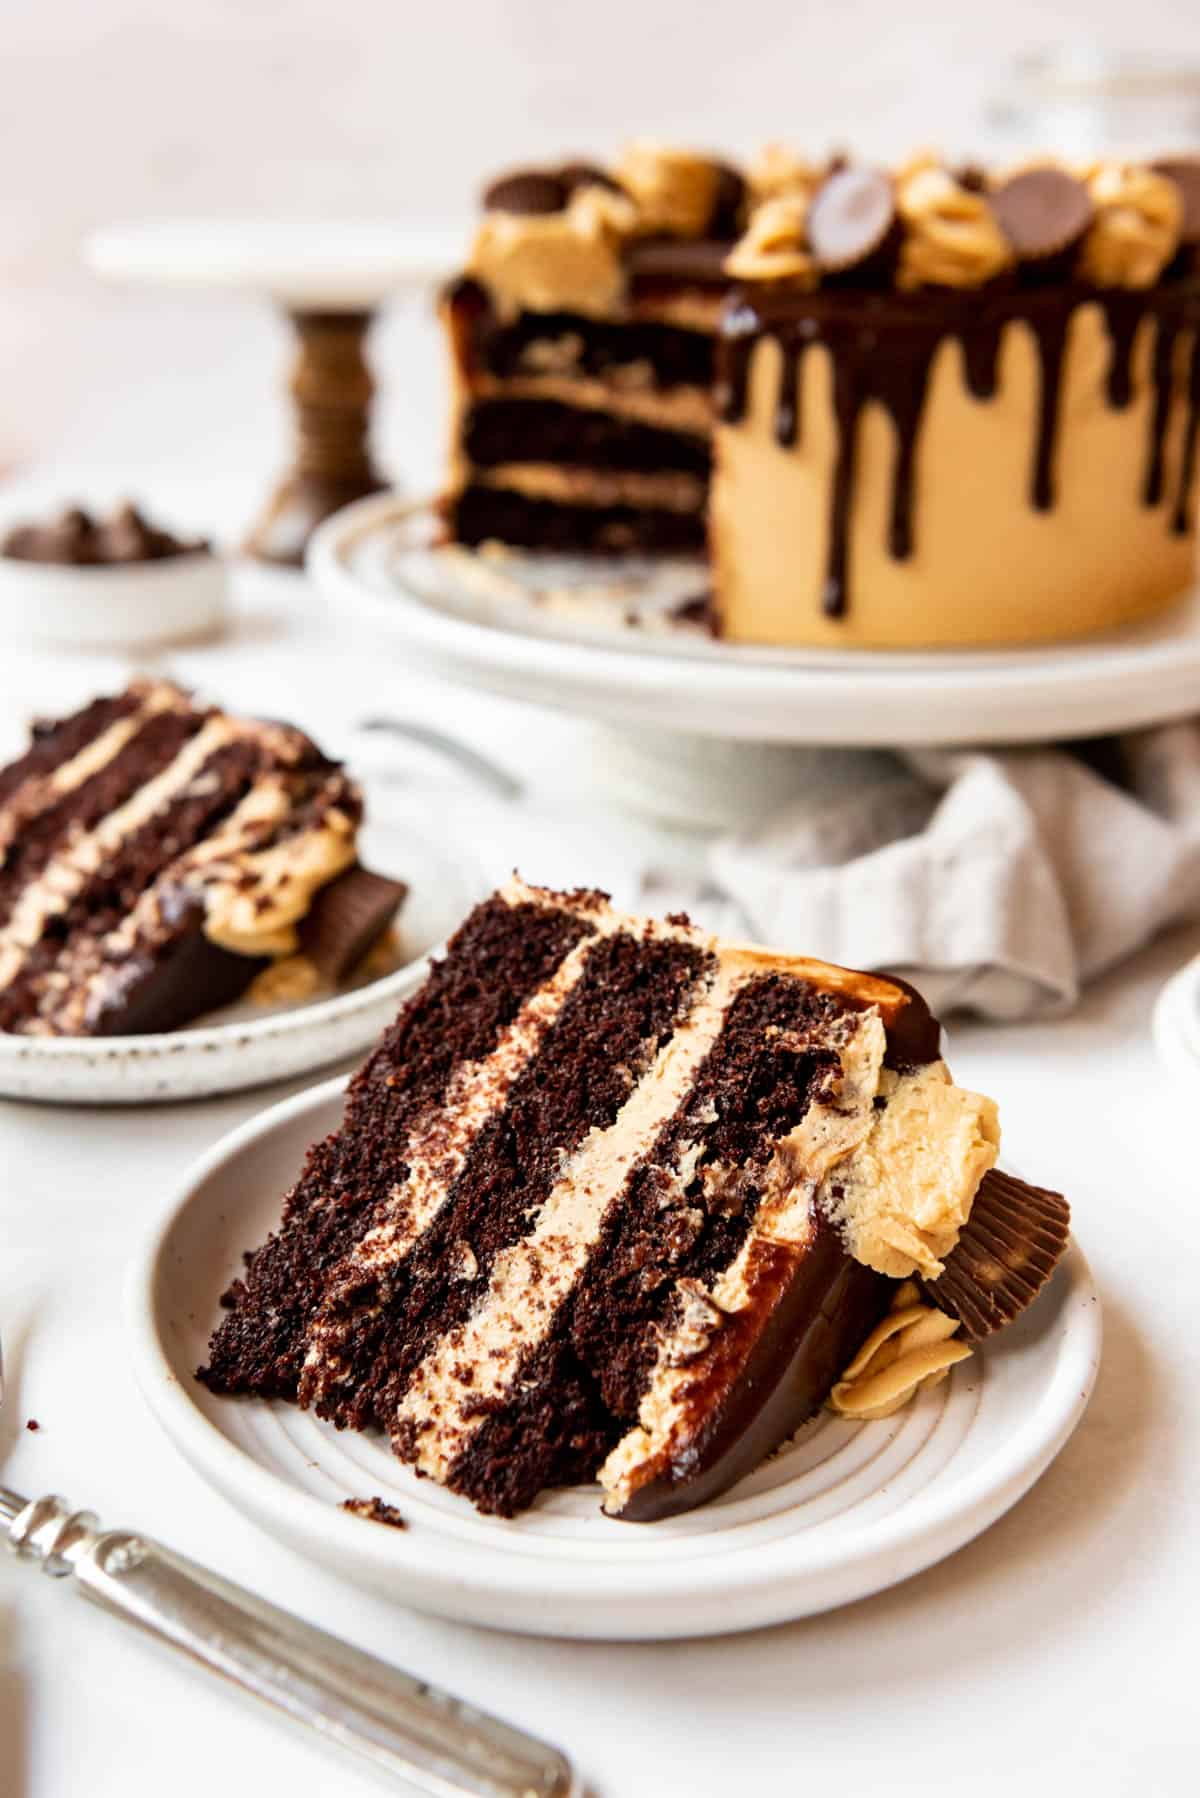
(421,1739)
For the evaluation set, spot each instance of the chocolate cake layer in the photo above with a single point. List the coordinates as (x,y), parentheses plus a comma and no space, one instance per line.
(498,959)
(480,514)
(539,430)
(382,1314)
(607,1199)
(155,746)
(56,741)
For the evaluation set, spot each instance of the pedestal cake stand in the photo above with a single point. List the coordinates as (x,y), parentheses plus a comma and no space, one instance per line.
(330,277)
(702,726)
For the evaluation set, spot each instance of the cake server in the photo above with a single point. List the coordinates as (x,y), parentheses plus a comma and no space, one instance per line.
(418,1738)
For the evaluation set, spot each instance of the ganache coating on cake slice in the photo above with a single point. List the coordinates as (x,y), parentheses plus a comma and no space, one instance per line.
(478,514)
(59,740)
(592,347)
(524,429)
(627,1003)
(498,958)
(578,1391)
(112,891)
(148,753)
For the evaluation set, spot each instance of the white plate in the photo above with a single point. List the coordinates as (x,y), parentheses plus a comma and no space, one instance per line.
(860,698)
(1177,1025)
(844,1511)
(248,1044)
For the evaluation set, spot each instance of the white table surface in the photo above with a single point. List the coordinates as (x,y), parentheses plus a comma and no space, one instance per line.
(1057,1653)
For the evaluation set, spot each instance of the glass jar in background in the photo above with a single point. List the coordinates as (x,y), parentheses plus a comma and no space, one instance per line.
(1082,103)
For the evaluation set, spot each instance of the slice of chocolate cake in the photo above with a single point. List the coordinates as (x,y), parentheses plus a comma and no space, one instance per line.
(157,855)
(611,1199)
(582,346)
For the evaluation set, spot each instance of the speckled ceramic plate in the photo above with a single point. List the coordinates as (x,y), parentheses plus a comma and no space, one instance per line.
(249,1044)
(843,1510)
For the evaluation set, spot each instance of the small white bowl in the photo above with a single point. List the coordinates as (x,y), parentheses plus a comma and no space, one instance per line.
(115,605)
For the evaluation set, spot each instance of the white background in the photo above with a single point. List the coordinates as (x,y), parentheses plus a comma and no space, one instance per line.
(133,108)
(1058,1653)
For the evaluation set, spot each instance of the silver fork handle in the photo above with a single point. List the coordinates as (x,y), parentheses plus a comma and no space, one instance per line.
(422,1738)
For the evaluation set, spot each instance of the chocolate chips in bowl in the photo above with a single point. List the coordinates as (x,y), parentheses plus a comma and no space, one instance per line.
(83,581)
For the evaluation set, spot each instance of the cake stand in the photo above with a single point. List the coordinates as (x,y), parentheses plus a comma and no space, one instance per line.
(329,277)
(710,733)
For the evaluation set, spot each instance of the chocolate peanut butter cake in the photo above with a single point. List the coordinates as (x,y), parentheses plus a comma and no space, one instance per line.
(615,1199)
(921,406)
(156,856)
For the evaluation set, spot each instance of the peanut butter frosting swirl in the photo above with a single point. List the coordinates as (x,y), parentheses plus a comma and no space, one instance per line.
(912,1349)
(951,237)
(774,247)
(778,170)
(1136,229)
(675,190)
(568,260)
(904,1193)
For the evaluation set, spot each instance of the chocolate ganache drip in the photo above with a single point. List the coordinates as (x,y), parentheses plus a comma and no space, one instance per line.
(882,347)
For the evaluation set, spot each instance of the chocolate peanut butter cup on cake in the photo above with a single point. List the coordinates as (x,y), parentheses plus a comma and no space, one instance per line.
(615,1199)
(922,406)
(157,856)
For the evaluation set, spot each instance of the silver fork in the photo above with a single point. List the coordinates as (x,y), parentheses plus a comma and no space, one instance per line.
(422,1739)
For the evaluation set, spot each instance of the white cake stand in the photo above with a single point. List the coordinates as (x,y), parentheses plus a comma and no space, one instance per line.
(329,276)
(710,733)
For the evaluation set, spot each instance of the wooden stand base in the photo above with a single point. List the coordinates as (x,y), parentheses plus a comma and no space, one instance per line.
(332,391)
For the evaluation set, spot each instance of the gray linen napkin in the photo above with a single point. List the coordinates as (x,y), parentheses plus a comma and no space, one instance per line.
(999,881)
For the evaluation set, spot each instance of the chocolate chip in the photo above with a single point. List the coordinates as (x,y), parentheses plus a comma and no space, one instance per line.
(1042,212)
(972,177)
(527,192)
(1184,171)
(850,218)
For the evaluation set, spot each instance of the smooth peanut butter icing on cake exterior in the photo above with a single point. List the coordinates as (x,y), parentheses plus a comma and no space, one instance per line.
(616,1200)
(930,405)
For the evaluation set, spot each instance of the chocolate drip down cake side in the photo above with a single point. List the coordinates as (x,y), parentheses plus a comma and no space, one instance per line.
(613,1199)
(921,407)
(159,857)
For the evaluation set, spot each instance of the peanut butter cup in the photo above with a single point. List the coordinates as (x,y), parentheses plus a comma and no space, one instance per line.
(852,220)
(1010,1245)
(1043,212)
(527,192)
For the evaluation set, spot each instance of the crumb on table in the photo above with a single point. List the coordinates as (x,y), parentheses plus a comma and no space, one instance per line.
(376,1510)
